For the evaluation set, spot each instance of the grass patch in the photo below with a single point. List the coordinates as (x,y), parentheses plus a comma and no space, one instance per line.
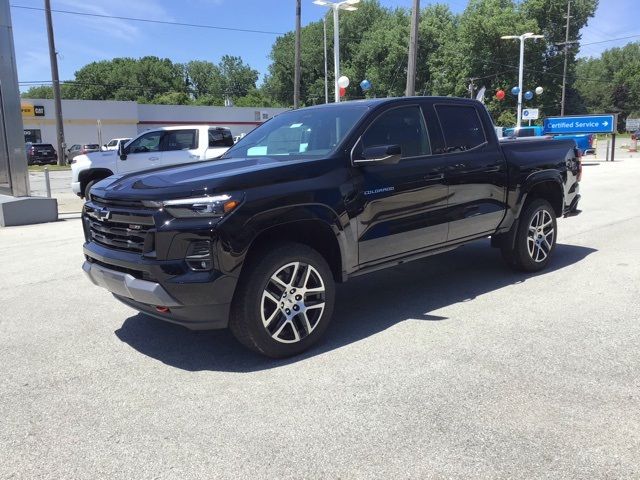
(51,168)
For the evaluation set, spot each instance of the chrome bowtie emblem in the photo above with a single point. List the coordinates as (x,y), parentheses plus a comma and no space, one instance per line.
(102,214)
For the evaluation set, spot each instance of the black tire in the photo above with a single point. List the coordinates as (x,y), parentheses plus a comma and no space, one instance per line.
(533,244)
(251,310)
(87,188)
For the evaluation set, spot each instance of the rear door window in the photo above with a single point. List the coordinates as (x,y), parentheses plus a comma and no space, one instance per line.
(180,140)
(461,127)
(220,138)
(402,126)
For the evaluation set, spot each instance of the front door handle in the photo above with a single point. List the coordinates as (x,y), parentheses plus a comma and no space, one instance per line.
(153,159)
(434,176)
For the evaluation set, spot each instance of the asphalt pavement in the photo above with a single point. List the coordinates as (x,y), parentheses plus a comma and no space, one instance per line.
(448,367)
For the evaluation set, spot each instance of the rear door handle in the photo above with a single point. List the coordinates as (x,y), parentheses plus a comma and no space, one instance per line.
(434,176)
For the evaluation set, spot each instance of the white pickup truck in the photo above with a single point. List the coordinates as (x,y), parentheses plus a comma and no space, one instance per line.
(151,149)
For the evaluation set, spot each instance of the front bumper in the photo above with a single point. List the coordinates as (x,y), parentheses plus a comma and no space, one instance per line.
(126,285)
(196,300)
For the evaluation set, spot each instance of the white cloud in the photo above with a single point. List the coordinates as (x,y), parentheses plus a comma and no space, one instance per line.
(124,30)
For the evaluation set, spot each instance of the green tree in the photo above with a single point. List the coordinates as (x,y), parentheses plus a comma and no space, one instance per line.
(172,98)
(39,91)
(611,83)
(204,78)
(45,91)
(255,98)
(128,79)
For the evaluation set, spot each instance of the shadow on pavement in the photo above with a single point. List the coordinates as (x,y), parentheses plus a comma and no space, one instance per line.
(365,306)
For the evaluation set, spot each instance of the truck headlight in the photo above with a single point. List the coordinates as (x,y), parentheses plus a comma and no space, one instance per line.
(208,207)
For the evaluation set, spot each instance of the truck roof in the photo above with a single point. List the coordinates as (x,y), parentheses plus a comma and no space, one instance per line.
(182,127)
(374,102)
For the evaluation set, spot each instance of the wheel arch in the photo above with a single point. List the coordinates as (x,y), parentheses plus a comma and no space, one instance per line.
(315,225)
(546,185)
(312,232)
(86,176)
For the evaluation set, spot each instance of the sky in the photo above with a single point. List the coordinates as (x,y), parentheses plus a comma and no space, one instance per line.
(81,40)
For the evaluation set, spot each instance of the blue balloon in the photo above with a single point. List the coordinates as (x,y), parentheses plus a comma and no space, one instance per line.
(365,85)
(515,90)
(528,95)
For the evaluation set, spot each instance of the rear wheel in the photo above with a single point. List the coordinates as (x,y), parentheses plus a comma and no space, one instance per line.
(284,301)
(535,238)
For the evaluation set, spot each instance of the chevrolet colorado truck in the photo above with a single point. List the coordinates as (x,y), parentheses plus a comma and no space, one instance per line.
(257,240)
(151,149)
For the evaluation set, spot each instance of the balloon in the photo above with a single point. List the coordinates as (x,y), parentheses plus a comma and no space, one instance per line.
(528,95)
(343,82)
(365,85)
(515,91)
(539,90)
(343,91)
(500,94)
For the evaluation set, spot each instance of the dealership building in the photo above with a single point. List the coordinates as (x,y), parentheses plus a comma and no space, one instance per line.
(97,121)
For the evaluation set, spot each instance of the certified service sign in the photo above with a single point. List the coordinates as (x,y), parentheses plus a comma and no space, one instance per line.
(582,124)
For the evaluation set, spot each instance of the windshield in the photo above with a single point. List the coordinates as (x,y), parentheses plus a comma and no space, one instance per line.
(313,132)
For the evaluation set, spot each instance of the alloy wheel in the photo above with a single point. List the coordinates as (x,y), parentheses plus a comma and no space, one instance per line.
(540,236)
(293,302)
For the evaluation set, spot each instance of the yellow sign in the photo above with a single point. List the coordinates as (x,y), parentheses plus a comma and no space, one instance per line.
(27,110)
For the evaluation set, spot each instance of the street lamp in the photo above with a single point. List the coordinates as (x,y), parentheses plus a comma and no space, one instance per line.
(522,38)
(348,5)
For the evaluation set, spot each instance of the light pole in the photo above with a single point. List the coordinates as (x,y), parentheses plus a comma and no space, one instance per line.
(348,5)
(326,80)
(522,38)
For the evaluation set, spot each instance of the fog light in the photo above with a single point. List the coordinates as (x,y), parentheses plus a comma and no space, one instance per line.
(199,257)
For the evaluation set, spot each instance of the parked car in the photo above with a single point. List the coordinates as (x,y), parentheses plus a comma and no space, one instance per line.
(257,240)
(78,149)
(154,148)
(114,143)
(583,140)
(41,154)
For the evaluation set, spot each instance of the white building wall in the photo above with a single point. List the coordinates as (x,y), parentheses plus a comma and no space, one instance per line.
(127,119)
(80,120)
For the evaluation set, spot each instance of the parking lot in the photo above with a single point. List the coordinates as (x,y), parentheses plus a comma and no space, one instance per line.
(448,367)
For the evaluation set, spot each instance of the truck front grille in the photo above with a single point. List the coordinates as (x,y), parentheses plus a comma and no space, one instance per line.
(120,230)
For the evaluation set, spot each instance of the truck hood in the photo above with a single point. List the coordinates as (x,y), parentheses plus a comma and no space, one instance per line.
(214,176)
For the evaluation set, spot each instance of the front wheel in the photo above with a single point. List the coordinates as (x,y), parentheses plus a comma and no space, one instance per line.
(535,238)
(284,301)
(87,189)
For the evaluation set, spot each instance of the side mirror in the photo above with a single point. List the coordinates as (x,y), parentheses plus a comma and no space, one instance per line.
(121,152)
(381,154)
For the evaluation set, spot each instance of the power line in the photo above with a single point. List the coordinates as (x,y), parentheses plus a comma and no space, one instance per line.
(146,20)
(611,40)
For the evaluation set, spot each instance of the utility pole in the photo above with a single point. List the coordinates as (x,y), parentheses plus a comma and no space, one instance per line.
(566,55)
(56,84)
(296,81)
(413,50)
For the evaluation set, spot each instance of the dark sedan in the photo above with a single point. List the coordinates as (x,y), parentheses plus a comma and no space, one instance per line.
(78,149)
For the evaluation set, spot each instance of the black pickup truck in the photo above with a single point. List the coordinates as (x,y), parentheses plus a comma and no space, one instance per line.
(257,239)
